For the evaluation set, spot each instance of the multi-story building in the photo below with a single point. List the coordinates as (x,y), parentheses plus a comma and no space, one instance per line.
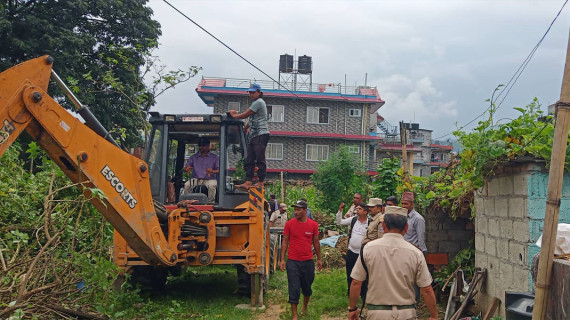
(307,122)
(424,156)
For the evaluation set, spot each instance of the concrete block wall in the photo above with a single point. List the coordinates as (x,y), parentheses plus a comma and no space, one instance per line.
(509,219)
(445,235)
(294,151)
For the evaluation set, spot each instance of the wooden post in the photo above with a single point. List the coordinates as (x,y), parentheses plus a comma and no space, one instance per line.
(411,163)
(252,290)
(554,194)
(404,152)
(282,189)
(259,290)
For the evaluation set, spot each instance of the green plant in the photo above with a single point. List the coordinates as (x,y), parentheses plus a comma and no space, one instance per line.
(239,174)
(338,178)
(464,259)
(387,181)
(484,150)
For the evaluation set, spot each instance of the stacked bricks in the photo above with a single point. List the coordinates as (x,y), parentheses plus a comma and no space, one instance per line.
(445,235)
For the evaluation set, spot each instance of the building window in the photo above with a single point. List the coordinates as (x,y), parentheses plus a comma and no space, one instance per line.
(275,113)
(317,152)
(317,115)
(233,105)
(354,112)
(354,149)
(274,151)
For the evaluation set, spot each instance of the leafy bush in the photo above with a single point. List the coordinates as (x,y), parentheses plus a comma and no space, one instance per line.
(388,179)
(338,178)
(484,150)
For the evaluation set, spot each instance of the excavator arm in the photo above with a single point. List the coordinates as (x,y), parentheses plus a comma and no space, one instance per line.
(84,156)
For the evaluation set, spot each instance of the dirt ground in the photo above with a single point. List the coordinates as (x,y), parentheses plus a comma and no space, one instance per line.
(273,311)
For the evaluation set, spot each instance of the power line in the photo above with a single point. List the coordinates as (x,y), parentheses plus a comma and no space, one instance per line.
(528,58)
(514,78)
(243,58)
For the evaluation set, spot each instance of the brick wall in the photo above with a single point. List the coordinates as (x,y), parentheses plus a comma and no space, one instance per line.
(510,217)
(294,154)
(295,119)
(445,235)
(295,114)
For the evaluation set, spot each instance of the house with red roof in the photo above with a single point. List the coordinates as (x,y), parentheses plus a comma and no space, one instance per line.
(307,121)
(424,156)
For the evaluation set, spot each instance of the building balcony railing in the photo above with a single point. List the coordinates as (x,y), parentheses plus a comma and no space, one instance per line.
(290,86)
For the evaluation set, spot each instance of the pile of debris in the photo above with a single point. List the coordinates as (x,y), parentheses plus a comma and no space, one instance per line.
(333,257)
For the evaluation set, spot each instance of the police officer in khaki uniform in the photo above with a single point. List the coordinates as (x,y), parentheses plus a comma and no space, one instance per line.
(375,210)
(393,266)
(279,217)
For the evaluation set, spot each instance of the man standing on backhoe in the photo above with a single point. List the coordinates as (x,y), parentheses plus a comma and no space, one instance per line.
(258,137)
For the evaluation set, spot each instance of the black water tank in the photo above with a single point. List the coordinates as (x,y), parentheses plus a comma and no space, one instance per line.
(305,65)
(285,63)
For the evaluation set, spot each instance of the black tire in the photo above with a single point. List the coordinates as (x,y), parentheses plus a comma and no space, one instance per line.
(148,278)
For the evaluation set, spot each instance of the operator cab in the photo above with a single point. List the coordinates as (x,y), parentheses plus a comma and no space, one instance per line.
(175,138)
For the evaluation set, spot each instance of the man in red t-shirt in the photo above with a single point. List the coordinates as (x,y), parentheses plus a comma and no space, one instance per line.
(299,236)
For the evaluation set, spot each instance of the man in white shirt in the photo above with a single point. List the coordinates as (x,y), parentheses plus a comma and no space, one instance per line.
(357,229)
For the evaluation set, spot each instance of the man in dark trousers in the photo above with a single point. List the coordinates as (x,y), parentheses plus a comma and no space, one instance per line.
(356,231)
(258,137)
(299,236)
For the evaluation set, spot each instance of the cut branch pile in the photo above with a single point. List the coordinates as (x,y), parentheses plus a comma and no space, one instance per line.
(41,276)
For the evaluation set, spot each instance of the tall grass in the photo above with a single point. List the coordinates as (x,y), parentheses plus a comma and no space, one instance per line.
(294,193)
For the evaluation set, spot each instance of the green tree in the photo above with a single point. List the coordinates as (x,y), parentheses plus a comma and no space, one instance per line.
(338,178)
(388,179)
(95,42)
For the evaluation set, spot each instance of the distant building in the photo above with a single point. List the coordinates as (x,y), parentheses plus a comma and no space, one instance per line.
(424,156)
(307,122)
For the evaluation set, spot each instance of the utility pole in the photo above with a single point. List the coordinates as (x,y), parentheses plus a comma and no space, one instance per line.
(403,141)
(562,118)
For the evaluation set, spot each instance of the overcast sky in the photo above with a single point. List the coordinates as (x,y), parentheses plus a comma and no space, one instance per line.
(434,62)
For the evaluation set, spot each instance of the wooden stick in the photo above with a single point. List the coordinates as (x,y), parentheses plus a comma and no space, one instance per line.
(275,257)
(75,313)
(4,268)
(554,193)
(252,286)
(492,308)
